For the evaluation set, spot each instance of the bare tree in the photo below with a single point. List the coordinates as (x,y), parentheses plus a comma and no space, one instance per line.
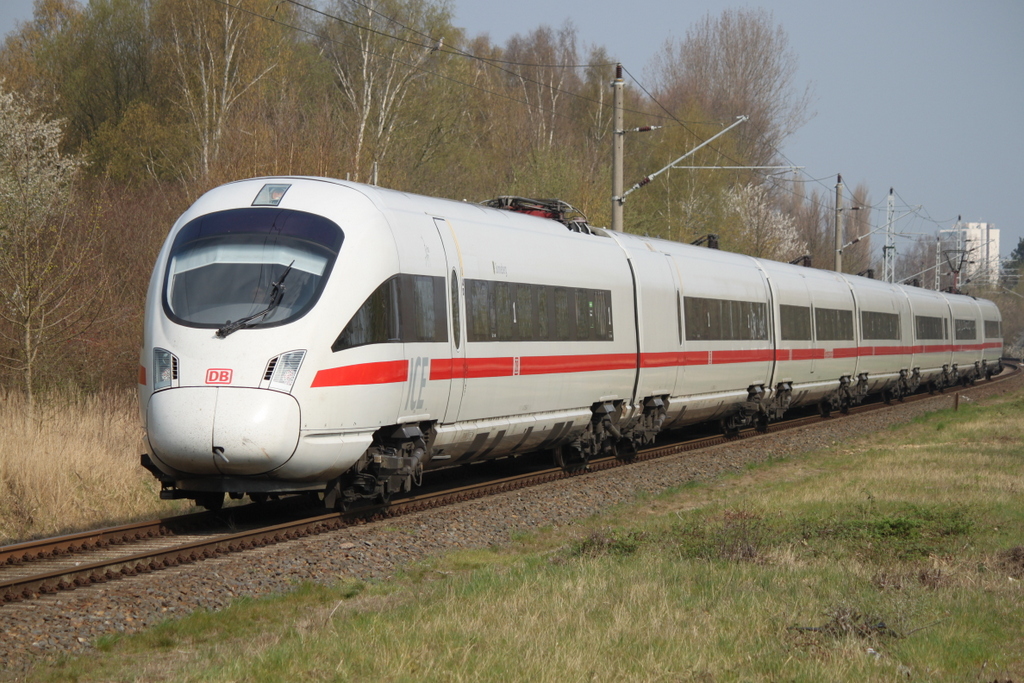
(739,62)
(41,254)
(917,262)
(214,60)
(378,49)
(543,76)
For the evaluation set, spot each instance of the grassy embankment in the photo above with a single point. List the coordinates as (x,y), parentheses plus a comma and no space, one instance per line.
(897,556)
(72,465)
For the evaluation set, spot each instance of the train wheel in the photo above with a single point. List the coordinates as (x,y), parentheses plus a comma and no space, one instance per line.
(761,424)
(625,450)
(729,430)
(571,459)
(824,409)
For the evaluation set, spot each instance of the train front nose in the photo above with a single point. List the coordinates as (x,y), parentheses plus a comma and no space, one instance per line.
(223,430)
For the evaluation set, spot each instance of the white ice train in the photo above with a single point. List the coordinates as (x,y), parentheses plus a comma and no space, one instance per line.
(321,336)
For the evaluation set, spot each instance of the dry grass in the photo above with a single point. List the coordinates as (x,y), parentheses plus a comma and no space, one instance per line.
(73,464)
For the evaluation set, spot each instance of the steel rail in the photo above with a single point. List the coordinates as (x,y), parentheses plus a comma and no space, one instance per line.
(99,538)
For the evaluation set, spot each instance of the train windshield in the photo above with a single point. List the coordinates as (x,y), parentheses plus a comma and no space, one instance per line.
(261,266)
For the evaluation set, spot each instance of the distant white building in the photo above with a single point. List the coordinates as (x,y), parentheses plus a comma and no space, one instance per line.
(981,241)
(974,247)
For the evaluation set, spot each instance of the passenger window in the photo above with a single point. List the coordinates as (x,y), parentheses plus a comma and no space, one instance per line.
(795,322)
(543,311)
(832,324)
(561,314)
(510,311)
(478,307)
(404,308)
(502,310)
(524,312)
(966,329)
(456,331)
(929,327)
(584,314)
(876,325)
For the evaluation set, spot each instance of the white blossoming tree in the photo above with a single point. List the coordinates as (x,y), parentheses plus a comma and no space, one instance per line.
(41,253)
(764,230)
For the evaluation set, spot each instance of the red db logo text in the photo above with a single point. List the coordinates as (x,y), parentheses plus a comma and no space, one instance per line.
(218,376)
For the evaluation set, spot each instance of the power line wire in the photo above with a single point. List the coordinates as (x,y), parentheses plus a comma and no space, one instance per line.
(436,45)
(394,59)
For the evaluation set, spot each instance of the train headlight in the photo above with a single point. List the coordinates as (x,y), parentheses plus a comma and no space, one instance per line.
(165,368)
(286,370)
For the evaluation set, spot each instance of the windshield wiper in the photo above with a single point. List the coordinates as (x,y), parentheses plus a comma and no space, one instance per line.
(276,294)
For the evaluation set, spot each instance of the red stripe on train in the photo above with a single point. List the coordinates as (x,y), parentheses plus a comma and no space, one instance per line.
(384,372)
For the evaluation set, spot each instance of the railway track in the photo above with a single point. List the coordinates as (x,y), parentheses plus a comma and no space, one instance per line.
(68,562)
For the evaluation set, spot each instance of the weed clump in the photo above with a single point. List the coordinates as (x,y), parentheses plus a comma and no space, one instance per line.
(735,536)
(845,621)
(1012,562)
(608,542)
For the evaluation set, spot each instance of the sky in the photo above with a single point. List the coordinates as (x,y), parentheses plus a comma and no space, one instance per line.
(924,96)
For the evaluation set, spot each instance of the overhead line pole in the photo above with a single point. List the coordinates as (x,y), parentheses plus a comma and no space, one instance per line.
(889,251)
(839,224)
(617,148)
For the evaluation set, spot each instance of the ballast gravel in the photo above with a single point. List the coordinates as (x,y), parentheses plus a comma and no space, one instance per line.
(71,622)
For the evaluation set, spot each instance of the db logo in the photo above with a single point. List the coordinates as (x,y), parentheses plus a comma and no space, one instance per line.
(218,376)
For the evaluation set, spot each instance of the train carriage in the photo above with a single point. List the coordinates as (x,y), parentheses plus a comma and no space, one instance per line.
(883,333)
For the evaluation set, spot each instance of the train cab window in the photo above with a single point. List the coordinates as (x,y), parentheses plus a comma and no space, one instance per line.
(795,322)
(832,324)
(966,329)
(404,308)
(263,266)
(992,330)
(929,327)
(877,325)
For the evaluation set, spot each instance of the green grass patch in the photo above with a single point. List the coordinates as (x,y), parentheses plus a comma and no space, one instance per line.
(895,557)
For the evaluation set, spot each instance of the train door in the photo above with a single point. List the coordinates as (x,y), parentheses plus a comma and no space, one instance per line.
(454,288)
